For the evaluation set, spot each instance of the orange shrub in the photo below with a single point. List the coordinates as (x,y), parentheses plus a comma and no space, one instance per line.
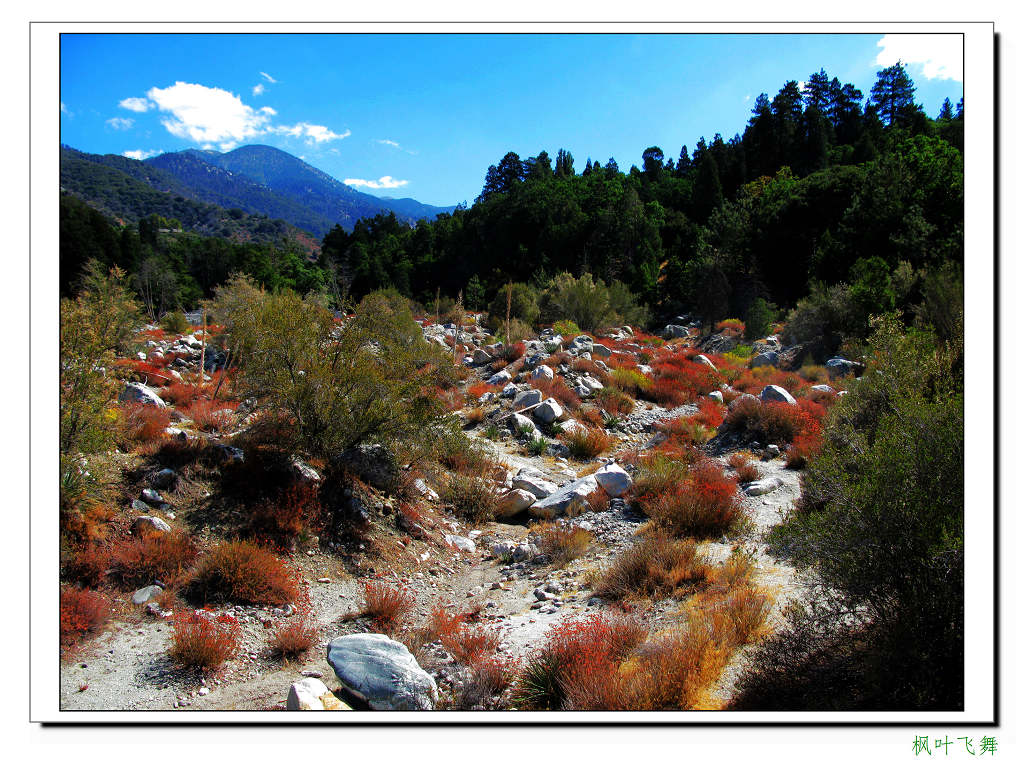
(293,637)
(703,505)
(81,612)
(144,423)
(770,422)
(180,394)
(805,446)
(666,392)
(477,390)
(210,416)
(201,642)
(615,401)
(277,522)
(557,388)
(512,352)
(386,606)
(243,573)
(709,414)
(732,327)
(654,566)
(138,561)
(587,443)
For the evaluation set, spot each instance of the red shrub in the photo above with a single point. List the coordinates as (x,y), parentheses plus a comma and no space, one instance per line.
(805,446)
(211,416)
(617,361)
(557,388)
(279,521)
(296,635)
(88,565)
(201,642)
(242,573)
(81,611)
(692,377)
(180,394)
(731,327)
(666,392)
(703,505)
(144,423)
(512,352)
(386,606)
(709,414)
(477,390)
(138,561)
(770,422)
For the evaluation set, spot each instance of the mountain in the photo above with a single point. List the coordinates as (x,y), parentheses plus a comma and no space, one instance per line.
(128,190)
(267,180)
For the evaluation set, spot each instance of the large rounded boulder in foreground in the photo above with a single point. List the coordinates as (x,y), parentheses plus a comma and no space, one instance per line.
(381,672)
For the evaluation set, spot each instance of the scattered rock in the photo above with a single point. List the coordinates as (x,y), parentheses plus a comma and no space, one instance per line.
(700,359)
(763,486)
(146,594)
(534,484)
(137,392)
(773,393)
(548,411)
(558,501)
(527,398)
(613,479)
(310,694)
(513,502)
(461,543)
(381,672)
(764,359)
(543,373)
(165,479)
(144,525)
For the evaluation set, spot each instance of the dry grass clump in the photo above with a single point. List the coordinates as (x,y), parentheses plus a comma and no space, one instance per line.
(563,543)
(558,389)
(295,636)
(579,657)
(473,498)
(387,607)
(279,521)
(614,400)
(587,443)
(141,424)
(202,642)
(746,470)
(210,416)
(629,380)
(702,505)
(475,416)
(240,572)
(655,566)
(81,612)
(138,561)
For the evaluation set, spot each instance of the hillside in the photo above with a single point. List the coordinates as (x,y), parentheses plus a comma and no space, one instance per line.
(267,180)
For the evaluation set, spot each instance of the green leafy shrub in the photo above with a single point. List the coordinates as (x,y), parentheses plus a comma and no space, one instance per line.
(523,308)
(588,303)
(566,328)
(175,322)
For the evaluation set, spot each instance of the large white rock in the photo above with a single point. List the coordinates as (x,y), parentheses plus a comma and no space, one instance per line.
(513,502)
(381,672)
(700,359)
(534,484)
(137,392)
(548,411)
(520,424)
(762,486)
(825,388)
(543,373)
(558,501)
(764,359)
(572,426)
(773,393)
(601,350)
(716,396)
(147,525)
(591,383)
(838,367)
(501,377)
(527,398)
(480,357)
(310,694)
(613,479)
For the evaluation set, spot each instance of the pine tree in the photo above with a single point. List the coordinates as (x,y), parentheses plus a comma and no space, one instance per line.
(893,95)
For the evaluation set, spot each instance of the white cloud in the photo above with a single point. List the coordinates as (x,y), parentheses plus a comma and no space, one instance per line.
(64,109)
(135,104)
(269,78)
(257,90)
(384,182)
(389,142)
(120,123)
(142,154)
(208,114)
(940,56)
(313,133)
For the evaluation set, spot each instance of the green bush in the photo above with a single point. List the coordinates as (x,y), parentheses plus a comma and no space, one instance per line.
(880,521)
(758,320)
(524,306)
(566,328)
(94,328)
(589,303)
(371,378)
(175,322)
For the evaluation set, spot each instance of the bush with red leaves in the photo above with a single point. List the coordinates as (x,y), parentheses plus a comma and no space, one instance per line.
(240,572)
(81,611)
(199,641)
(703,505)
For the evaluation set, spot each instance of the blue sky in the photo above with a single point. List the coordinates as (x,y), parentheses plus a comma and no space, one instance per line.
(424,115)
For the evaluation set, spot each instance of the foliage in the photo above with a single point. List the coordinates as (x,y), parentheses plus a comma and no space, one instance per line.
(175,322)
(472,498)
(523,307)
(387,607)
(95,326)
(704,504)
(81,612)
(588,303)
(586,443)
(239,572)
(563,543)
(655,566)
(881,521)
(203,642)
(373,378)
(139,560)
(294,636)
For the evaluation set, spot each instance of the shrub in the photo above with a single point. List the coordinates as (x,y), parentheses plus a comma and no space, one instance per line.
(138,561)
(599,500)
(143,423)
(473,498)
(709,414)
(770,422)
(210,416)
(703,505)
(454,450)
(81,611)
(558,389)
(387,607)
(666,392)
(293,637)
(658,474)
(180,394)
(731,325)
(523,308)
(615,401)
(175,322)
(566,328)
(537,446)
(587,443)
(280,521)
(88,564)
(759,319)
(881,522)
(202,642)
(475,415)
(655,566)
(94,327)
(371,378)
(563,543)
(575,649)
(513,351)
(241,573)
